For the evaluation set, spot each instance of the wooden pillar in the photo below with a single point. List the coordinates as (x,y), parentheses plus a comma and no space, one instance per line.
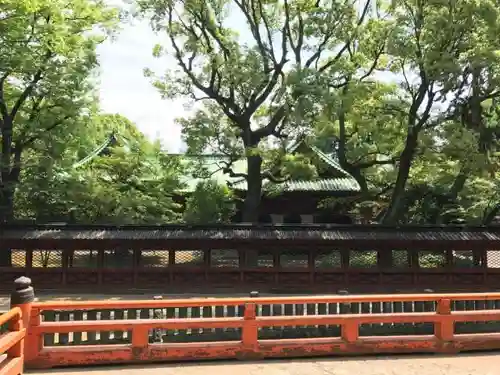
(23,297)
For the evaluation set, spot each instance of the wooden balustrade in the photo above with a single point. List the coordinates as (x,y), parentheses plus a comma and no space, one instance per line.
(13,328)
(105,332)
(12,333)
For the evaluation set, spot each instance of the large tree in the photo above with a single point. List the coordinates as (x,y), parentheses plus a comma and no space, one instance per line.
(48,58)
(257,67)
(447,54)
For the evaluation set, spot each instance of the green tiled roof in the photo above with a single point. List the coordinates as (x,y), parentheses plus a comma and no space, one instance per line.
(330,184)
(213,166)
(328,159)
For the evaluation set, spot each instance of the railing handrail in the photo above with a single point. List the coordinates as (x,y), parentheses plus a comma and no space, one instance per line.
(201,302)
(11,343)
(9,314)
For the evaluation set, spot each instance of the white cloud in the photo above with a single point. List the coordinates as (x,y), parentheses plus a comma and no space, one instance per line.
(125,90)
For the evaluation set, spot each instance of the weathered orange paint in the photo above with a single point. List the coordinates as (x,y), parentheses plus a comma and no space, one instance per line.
(250,347)
(33,341)
(12,342)
(200,302)
(249,334)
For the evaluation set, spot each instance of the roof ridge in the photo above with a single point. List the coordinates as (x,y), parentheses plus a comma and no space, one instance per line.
(96,152)
(327,159)
(317,179)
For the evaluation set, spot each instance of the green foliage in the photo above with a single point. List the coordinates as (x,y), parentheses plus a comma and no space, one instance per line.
(423,144)
(209,203)
(48,51)
(415,147)
(133,183)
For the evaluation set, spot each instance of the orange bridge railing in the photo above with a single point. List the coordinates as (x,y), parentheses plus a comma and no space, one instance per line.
(97,332)
(11,342)
(250,334)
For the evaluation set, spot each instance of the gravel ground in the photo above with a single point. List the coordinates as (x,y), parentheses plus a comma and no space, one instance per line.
(466,364)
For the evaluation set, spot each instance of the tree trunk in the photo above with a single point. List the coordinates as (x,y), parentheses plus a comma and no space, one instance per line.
(254,189)
(9,176)
(6,215)
(459,183)
(396,206)
(394,211)
(252,201)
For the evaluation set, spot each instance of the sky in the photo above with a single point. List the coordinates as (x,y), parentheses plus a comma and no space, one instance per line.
(125,90)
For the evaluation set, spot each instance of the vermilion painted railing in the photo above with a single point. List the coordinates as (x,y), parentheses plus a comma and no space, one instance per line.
(12,342)
(249,325)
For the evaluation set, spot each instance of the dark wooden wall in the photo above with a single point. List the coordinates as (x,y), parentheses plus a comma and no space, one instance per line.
(288,270)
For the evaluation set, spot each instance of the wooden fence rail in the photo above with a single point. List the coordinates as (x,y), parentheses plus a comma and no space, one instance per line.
(86,333)
(12,335)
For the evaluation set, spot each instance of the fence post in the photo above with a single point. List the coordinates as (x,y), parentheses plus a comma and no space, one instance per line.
(249,333)
(349,330)
(444,329)
(23,297)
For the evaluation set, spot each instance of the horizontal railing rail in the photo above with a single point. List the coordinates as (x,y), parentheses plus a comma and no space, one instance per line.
(187,302)
(12,334)
(105,332)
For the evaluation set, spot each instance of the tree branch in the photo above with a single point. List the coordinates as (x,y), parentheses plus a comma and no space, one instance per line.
(268,84)
(372,163)
(3,106)
(226,105)
(30,87)
(349,41)
(32,139)
(270,128)
(274,179)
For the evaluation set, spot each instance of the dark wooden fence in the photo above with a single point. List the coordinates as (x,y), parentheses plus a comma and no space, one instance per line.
(312,269)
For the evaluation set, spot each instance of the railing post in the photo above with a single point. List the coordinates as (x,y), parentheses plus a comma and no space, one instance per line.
(23,297)
(249,333)
(444,330)
(349,329)
(140,339)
